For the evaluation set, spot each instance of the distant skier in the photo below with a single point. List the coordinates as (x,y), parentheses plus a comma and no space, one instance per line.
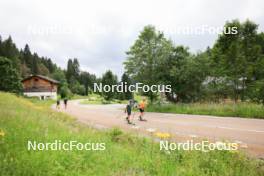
(128,110)
(65,103)
(58,104)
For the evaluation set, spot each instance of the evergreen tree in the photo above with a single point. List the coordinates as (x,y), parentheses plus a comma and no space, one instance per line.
(76,68)
(70,70)
(109,79)
(10,51)
(125,79)
(86,80)
(35,64)
(26,57)
(10,80)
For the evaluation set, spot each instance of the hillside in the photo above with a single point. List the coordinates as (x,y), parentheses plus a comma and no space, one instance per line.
(22,120)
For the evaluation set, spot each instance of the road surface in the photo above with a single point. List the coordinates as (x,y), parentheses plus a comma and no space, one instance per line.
(249,133)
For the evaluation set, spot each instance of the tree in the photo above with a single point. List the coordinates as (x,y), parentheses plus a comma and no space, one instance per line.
(185,73)
(10,80)
(26,56)
(257,91)
(144,55)
(73,69)
(65,92)
(69,71)
(35,64)
(78,89)
(72,75)
(76,68)
(24,70)
(1,50)
(109,79)
(42,69)
(237,57)
(87,80)
(9,50)
(125,79)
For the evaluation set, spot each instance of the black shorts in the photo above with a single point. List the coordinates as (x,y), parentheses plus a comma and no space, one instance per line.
(141,110)
(129,113)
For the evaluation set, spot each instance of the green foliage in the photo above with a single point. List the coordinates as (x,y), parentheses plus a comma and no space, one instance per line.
(65,92)
(238,58)
(78,89)
(115,134)
(9,50)
(10,80)
(24,61)
(257,91)
(246,110)
(126,95)
(230,69)
(73,69)
(87,80)
(144,56)
(27,63)
(109,79)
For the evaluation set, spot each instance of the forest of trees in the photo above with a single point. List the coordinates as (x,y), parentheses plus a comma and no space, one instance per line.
(16,64)
(233,68)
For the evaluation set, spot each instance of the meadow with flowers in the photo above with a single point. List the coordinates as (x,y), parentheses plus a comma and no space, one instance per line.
(126,153)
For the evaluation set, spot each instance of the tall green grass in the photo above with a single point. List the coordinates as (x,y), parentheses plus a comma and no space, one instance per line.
(247,110)
(125,154)
(97,99)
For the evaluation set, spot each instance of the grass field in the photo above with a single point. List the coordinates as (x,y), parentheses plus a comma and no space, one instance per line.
(247,110)
(97,99)
(22,120)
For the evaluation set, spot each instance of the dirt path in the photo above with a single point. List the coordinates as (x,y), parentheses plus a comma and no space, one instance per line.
(248,132)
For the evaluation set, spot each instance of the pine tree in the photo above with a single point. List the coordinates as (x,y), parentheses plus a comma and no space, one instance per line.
(109,79)
(125,79)
(35,64)
(10,80)
(10,51)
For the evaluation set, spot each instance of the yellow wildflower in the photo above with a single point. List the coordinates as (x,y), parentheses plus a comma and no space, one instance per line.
(162,135)
(2,133)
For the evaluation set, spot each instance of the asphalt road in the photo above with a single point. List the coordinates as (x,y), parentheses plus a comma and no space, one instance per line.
(249,133)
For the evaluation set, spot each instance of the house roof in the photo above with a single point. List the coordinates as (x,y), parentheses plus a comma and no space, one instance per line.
(42,77)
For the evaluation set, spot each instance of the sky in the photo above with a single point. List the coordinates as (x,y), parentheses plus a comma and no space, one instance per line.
(99,32)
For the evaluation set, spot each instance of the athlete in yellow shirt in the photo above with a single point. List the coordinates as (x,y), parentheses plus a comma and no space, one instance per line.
(142,106)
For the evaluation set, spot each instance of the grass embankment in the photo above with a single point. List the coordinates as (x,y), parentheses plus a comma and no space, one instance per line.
(247,110)
(21,120)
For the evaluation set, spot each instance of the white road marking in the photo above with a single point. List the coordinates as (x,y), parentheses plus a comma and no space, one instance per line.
(229,128)
(151,130)
(212,126)
(193,135)
(244,146)
(238,142)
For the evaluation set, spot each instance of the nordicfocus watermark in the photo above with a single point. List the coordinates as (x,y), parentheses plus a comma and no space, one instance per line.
(67,146)
(204,146)
(124,87)
(203,29)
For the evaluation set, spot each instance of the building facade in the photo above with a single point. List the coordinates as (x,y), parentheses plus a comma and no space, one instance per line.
(40,86)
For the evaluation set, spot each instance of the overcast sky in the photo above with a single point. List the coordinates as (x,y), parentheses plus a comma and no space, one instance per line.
(99,32)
